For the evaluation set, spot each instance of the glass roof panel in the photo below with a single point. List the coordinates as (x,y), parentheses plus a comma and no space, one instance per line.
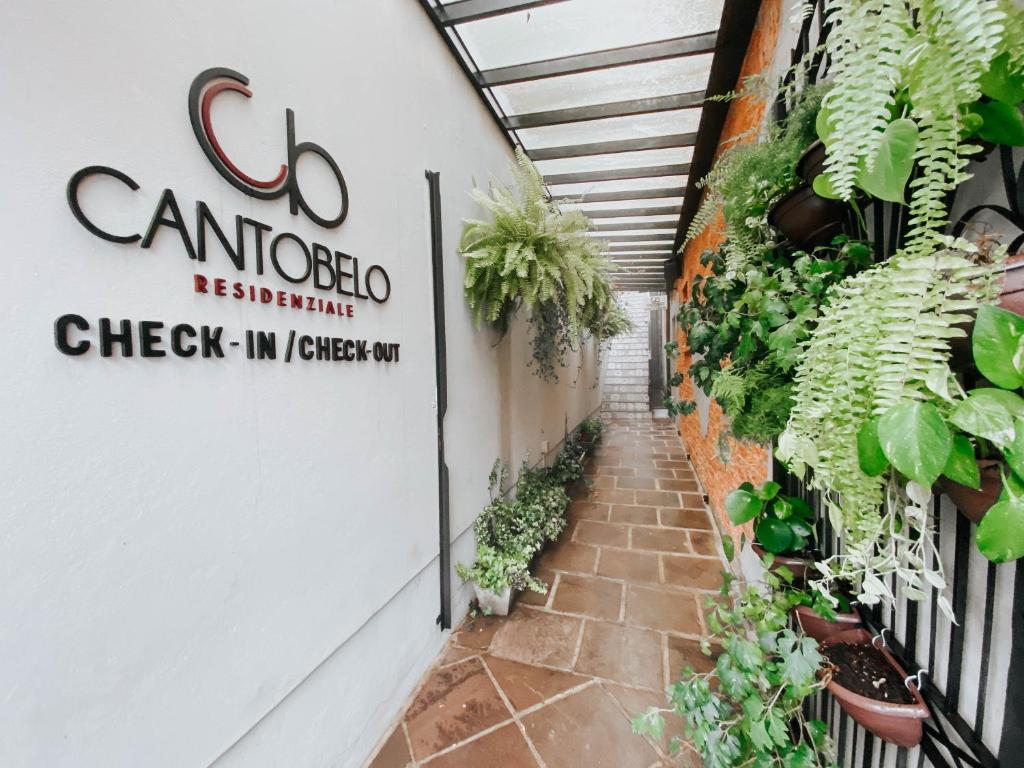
(670,221)
(621,185)
(673,156)
(636,81)
(582,26)
(611,129)
(657,202)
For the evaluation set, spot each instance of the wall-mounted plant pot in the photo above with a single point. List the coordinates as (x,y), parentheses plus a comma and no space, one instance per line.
(493,603)
(806,219)
(1011,298)
(812,162)
(820,628)
(861,665)
(973,503)
(797,565)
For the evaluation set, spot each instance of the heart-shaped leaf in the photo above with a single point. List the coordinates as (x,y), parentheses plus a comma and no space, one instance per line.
(1003,123)
(774,535)
(962,467)
(1000,82)
(998,346)
(870,455)
(888,175)
(1014,452)
(742,506)
(916,440)
(769,490)
(1000,534)
(985,414)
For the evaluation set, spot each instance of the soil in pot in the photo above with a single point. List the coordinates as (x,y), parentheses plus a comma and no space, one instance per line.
(806,219)
(864,670)
(973,503)
(869,685)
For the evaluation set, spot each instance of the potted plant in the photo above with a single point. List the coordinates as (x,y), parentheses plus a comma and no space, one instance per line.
(496,575)
(822,617)
(748,707)
(873,688)
(590,430)
(783,527)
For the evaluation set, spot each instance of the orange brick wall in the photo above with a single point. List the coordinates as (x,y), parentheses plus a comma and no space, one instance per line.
(746,461)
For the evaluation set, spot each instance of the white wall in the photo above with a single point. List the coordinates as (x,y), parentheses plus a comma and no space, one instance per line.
(228,561)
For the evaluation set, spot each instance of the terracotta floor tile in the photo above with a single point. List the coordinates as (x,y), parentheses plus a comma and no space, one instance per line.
(636,702)
(683,652)
(592,532)
(525,685)
(693,501)
(477,633)
(660,540)
(624,654)
(685,518)
(394,753)
(635,515)
(672,464)
(615,496)
(588,510)
(536,637)
(674,484)
(587,730)
(693,572)
(454,653)
(504,748)
(663,609)
(703,543)
(685,474)
(638,483)
(589,596)
(601,481)
(628,565)
(565,555)
(455,703)
(657,498)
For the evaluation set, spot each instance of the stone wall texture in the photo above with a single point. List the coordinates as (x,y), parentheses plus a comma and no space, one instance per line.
(745,461)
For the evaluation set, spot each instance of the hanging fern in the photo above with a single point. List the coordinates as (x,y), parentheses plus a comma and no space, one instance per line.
(531,254)
(883,339)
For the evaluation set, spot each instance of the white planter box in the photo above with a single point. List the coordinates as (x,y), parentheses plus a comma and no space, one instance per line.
(492,602)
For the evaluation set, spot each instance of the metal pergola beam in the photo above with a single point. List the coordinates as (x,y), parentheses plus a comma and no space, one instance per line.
(472,10)
(624,194)
(625,226)
(614,213)
(613,147)
(601,111)
(588,62)
(655,238)
(639,248)
(617,174)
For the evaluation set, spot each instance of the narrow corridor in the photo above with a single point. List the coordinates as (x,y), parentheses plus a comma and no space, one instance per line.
(556,683)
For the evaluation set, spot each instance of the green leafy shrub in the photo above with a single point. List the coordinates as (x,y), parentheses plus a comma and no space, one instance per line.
(496,570)
(532,254)
(748,710)
(784,525)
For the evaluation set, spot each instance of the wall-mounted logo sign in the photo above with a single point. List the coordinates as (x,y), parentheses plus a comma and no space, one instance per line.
(249,243)
(205,88)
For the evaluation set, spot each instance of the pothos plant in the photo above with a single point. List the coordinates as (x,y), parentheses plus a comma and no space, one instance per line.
(783,525)
(917,84)
(532,254)
(923,440)
(882,340)
(744,328)
(747,710)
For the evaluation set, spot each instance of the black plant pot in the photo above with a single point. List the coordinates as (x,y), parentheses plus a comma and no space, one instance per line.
(806,219)
(812,162)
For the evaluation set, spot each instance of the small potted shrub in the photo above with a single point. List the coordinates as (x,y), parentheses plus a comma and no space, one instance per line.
(783,525)
(496,575)
(747,709)
(873,689)
(590,431)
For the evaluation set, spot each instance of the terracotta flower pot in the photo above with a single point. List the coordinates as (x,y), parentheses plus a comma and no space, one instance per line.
(820,628)
(806,219)
(899,724)
(797,565)
(1011,297)
(974,503)
(812,162)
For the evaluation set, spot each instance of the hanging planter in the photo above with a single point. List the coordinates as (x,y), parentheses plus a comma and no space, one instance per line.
(798,566)
(806,219)
(1011,298)
(974,503)
(812,162)
(873,689)
(820,628)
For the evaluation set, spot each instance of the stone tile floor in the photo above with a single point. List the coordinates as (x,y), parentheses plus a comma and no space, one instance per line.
(556,683)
